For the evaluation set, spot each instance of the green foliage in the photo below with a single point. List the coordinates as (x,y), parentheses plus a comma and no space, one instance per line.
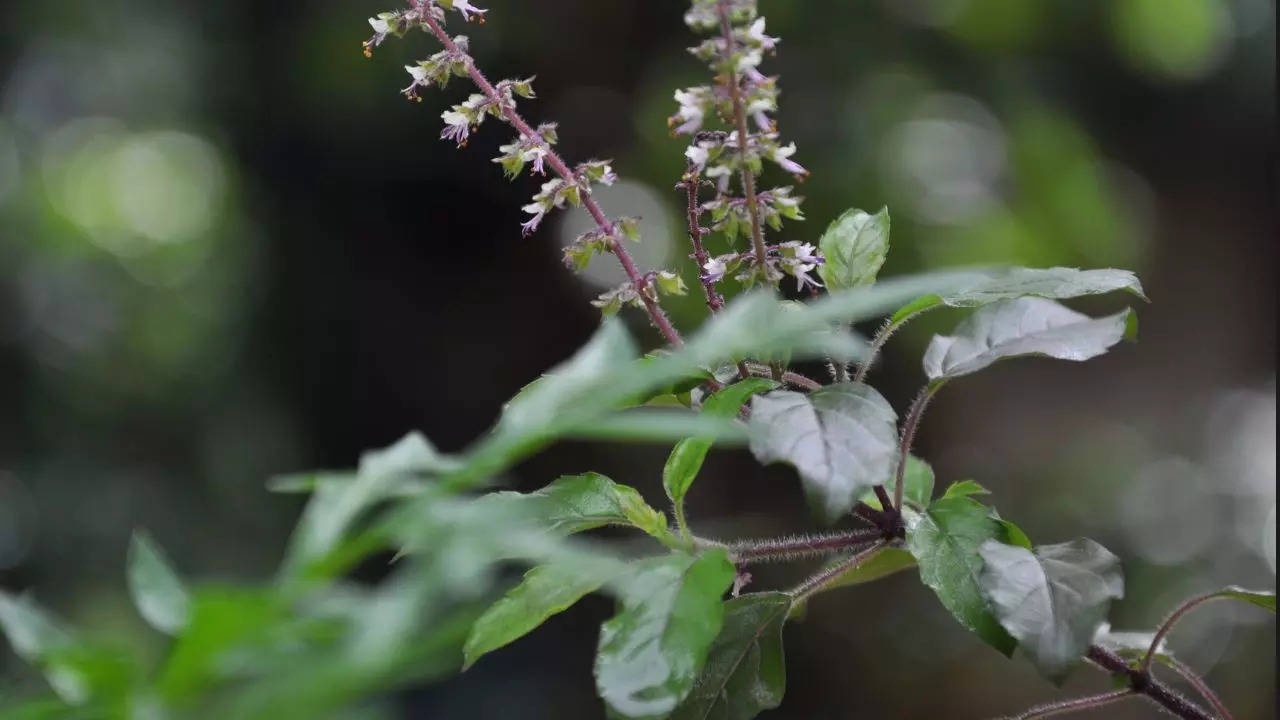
(917,482)
(155,587)
(855,246)
(1053,599)
(653,650)
(842,439)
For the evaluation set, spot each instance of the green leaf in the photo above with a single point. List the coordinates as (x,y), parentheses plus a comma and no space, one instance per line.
(888,561)
(226,625)
(746,670)
(945,541)
(660,425)
(965,488)
(1011,534)
(686,458)
(545,591)
(575,503)
(843,439)
(1053,600)
(41,641)
(157,592)
(1265,599)
(1058,283)
(653,650)
(1025,326)
(854,246)
(917,480)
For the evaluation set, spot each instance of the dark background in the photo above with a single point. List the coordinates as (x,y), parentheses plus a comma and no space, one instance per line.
(229,249)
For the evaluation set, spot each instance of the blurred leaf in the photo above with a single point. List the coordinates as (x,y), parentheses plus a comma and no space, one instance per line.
(1025,326)
(945,540)
(686,457)
(1265,599)
(544,591)
(843,439)
(965,488)
(653,650)
(854,246)
(1052,599)
(1058,283)
(574,503)
(157,592)
(225,626)
(917,480)
(745,672)
(655,425)
(30,630)
(1131,645)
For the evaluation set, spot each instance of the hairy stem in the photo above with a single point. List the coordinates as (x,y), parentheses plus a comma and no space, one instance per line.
(656,313)
(882,337)
(909,427)
(816,582)
(1170,621)
(1142,683)
(793,379)
(1194,680)
(1068,706)
(744,552)
(740,123)
(714,300)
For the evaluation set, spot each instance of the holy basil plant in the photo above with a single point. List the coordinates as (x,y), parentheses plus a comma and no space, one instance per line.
(691,636)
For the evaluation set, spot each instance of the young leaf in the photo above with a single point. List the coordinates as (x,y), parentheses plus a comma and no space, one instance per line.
(544,591)
(746,670)
(888,561)
(686,458)
(39,640)
(1057,283)
(843,439)
(917,481)
(1053,600)
(1025,326)
(965,488)
(854,246)
(157,592)
(1265,599)
(653,650)
(945,540)
(574,503)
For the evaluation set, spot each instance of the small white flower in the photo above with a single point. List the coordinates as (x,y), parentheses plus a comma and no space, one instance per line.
(713,270)
(379,25)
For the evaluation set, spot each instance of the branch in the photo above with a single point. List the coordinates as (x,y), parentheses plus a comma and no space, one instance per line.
(656,314)
(1172,620)
(1143,684)
(690,183)
(816,582)
(793,379)
(909,427)
(1067,706)
(744,552)
(740,121)
(1197,682)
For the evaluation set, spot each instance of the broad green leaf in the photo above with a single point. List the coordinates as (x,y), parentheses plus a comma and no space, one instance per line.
(965,488)
(843,439)
(686,458)
(225,625)
(335,507)
(854,246)
(746,670)
(917,480)
(1025,326)
(575,503)
(1262,598)
(157,592)
(1052,599)
(1057,283)
(544,591)
(651,652)
(945,540)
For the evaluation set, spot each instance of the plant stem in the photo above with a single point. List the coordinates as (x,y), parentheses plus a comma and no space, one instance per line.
(1142,683)
(788,378)
(882,337)
(816,582)
(1068,706)
(691,181)
(1170,621)
(740,122)
(908,435)
(1197,682)
(744,552)
(656,314)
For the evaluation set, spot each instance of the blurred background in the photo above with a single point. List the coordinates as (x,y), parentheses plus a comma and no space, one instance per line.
(229,249)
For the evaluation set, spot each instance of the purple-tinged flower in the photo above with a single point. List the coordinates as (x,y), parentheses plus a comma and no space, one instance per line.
(527,227)
(781,156)
(713,270)
(457,127)
(467,9)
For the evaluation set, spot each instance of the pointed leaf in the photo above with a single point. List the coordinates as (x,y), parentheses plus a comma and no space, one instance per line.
(1053,600)
(653,650)
(1025,326)
(575,503)
(965,488)
(545,591)
(40,641)
(1265,599)
(746,671)
(157,592)
(854,247)
(945,540)
(888,561)
(843,439)
(686,458)
(1057,283)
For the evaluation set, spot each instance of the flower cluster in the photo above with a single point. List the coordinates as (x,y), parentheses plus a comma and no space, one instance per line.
(578,254)
(555,193)
(399,22)
(730,214)
(462,119)
(437,69)
(629,293)
(793,258)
